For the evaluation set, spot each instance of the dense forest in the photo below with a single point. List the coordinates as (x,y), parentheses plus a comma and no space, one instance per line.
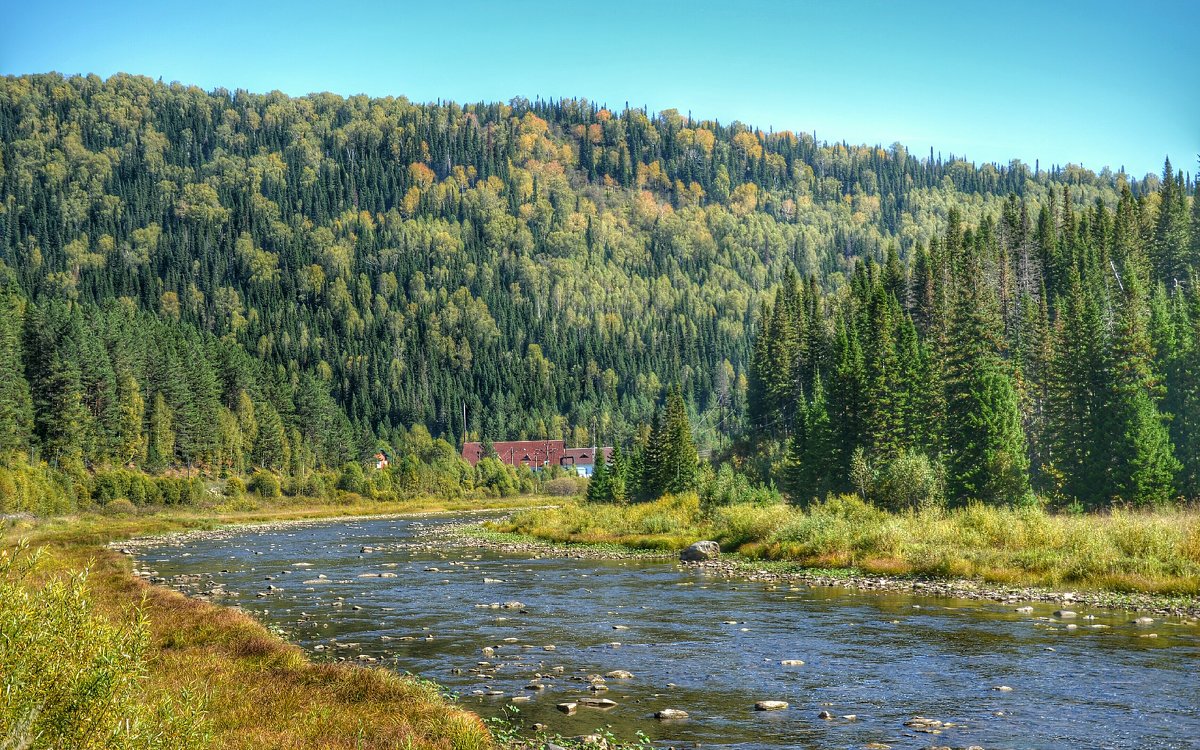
(226,280)
(1055,351)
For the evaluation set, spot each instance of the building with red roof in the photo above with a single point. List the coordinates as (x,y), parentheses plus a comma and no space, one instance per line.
(538,454)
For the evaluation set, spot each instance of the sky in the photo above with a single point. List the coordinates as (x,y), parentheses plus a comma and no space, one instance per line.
(1095,83)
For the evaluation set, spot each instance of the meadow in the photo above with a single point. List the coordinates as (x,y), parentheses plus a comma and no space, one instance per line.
(1146,551)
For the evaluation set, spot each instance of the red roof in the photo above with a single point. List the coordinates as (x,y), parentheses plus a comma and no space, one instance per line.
(534,453)
(584,455)
(518,452)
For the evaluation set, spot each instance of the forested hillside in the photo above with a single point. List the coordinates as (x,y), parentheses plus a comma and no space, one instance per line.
(226,279)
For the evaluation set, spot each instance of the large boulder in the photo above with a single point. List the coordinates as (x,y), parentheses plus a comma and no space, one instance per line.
(701,551)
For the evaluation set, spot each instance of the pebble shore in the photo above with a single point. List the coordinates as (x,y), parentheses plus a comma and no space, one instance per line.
(471,533)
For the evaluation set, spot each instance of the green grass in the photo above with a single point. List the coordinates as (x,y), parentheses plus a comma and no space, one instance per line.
(107,660)
(1156,552)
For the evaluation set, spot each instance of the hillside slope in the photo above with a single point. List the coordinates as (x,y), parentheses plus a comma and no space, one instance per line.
(546,268)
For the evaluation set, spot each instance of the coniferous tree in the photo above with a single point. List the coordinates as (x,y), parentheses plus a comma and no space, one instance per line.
(1144,464)
(600,488)
(461,257)
(813,461)
(987,457)
(130,446)
(160,449)
(61,420)
(1147,470)
(1079,429)
(618,476)
(1194,249)
(847,393)
(271,450)
(1171,243)
(1182,401)
(672,463)
(637,475)
(16,409)
(884,417)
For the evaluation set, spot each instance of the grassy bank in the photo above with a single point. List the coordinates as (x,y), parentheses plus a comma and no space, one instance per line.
(1150,552)
(113,662)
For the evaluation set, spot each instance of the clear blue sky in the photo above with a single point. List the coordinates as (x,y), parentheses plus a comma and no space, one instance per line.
(1098,83)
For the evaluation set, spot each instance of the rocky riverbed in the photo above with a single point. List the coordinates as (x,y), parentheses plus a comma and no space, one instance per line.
(575,639)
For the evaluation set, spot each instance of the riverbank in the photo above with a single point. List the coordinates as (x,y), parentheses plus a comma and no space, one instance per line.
(241,684)
(1145,562)
(650,635)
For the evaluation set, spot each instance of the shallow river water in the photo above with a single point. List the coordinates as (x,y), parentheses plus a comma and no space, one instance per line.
(709,646)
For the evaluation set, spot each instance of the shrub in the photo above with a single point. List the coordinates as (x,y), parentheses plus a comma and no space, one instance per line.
(37,489)
(909,482)
(72,678)
(235,487)
(168,491)
(314,484)
(352,479)
(565,486)
(728,487)
(265,484)
(120,507)
(496,477)
(744,523)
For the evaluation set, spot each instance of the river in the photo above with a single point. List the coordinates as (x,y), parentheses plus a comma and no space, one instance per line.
(419,602)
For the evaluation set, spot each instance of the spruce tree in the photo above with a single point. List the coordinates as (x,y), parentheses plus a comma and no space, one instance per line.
(1183,389)
(160,448)
(1080,425)
(131,406)
(16,409)
(61,420)
(672,464)
(1171,248)
(1144,464)
(847,393)
(1148,467)
(885,397)
(813,460)
(618,473)
(987,457)
(599,488)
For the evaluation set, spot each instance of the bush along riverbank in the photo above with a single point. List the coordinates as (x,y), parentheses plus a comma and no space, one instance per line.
(1144,560)
(93,656)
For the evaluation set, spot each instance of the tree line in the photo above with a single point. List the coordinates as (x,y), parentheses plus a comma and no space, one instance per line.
(1052,351)
(548,265)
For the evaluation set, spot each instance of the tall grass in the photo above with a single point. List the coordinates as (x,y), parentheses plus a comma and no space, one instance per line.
(1152,551)
(70,678)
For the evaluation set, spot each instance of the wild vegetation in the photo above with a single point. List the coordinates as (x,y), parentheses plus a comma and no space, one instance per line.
(1119,551)
(92,657)
(229,280)
(218,302)
(1056,354)
(72,678)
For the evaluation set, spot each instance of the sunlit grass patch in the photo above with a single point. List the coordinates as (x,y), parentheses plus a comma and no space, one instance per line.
(1148,551)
